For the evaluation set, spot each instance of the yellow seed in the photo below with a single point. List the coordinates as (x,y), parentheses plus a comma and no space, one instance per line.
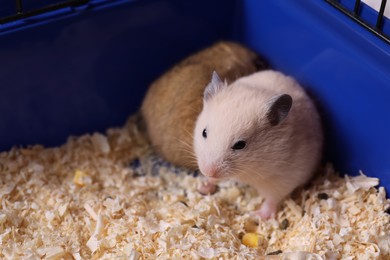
(79,178)
(251,240)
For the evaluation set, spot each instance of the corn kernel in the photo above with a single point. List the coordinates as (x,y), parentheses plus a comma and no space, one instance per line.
(251,240)
(80,178)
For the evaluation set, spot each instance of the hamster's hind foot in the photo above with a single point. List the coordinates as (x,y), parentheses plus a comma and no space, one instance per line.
(267,210)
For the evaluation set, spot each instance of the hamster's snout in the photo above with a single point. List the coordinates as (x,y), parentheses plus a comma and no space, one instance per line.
(210,170)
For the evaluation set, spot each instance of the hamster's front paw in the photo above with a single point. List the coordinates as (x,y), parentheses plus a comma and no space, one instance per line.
(207,188)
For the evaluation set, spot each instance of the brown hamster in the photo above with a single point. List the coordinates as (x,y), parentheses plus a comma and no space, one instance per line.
(174,101)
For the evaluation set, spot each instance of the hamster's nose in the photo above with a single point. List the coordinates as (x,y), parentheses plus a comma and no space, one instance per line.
(211,170)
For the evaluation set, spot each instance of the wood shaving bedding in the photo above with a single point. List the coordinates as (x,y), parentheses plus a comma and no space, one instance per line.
(107,197)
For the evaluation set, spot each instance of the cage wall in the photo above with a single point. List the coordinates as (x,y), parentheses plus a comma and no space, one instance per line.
(85,68)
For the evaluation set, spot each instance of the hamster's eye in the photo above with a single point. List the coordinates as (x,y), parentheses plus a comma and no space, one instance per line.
(204,133)
(239,145)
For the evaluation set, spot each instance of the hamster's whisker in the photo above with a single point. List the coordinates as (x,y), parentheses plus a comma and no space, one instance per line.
(234,171)
(191,134)
(187,148)
(190,159)
(268,161)
(251,175)
(189,152)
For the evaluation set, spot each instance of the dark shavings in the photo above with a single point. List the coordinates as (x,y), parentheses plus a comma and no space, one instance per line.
(322,196)
(277,252)
(284,224)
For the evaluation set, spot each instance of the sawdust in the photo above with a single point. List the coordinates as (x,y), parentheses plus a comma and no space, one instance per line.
(107,197)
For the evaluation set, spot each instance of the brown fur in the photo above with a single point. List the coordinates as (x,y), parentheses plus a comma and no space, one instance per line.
(175,100)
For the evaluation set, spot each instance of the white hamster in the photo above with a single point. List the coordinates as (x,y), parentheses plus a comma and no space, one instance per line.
(262,130)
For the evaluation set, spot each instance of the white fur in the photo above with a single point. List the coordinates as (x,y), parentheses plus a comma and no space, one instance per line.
(276,159)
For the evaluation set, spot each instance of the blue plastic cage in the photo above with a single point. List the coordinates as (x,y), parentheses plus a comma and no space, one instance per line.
(85,66)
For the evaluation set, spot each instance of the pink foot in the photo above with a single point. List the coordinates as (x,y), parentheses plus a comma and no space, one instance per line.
(267,210)
(207,188)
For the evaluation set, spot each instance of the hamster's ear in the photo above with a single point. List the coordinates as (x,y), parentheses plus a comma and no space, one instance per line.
(278,109)
(213,87)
